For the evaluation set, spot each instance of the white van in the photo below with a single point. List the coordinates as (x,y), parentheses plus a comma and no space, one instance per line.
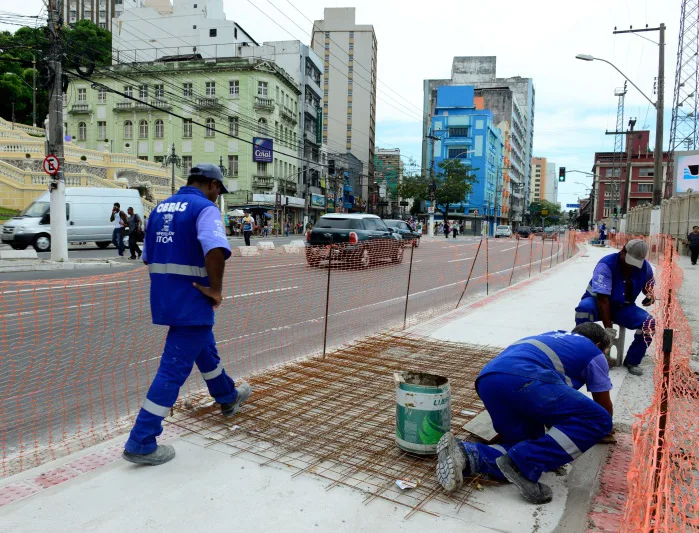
(87,210)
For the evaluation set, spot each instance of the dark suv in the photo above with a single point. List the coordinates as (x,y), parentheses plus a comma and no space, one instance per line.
(362,239)
(401,227)
(524,231)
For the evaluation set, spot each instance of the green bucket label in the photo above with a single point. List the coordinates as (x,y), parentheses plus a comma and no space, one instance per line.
(422,418)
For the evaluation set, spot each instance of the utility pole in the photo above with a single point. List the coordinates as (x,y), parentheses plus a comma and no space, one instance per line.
(34,90)
(433,185)
(224,173)
(59,232)
(627,179)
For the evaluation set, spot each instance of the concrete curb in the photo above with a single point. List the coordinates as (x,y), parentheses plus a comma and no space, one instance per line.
(41,266)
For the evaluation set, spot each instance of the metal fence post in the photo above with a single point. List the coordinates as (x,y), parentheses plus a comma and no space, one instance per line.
(543,250)
(487,269)
(514,264)
(470,272)
(531,253)
(407,292)
(327,300)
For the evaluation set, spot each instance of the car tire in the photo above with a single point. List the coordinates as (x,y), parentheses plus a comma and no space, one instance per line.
(417,242)
(19,246)
(311,259)
(103,245)
(42,242)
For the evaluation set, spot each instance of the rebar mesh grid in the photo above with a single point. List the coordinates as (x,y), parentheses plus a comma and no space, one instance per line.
(335,418)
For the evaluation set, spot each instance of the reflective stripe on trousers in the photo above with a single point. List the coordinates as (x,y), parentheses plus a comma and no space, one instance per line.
(173,268)
(564,442)
(553,356)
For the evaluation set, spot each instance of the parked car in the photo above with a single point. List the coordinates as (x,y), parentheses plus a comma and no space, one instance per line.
(402,228)
(524,232)
(363,239)
(87,211)
(503,231)
(537,230)
(550,232)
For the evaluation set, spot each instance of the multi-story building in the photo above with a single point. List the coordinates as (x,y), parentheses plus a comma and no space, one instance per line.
(349,85)
(199,29)
(239,112)
(509,99)
(100,12)
(469,135)
(304,66)
(610,177)
(507,200)
(538,179)
(551,192)
(345,178)
(389,173)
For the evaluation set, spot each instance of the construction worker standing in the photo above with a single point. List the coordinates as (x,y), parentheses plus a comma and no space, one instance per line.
(530,386)
(185,250)
(618,279)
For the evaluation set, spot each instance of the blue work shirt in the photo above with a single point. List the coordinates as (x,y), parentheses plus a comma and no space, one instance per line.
(181,231)
(607,278)
(554,357)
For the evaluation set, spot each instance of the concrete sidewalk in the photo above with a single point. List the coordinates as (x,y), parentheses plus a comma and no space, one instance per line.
(205,488)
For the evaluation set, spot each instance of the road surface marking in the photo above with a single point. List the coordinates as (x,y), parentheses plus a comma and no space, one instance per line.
(506,249)
(457,260)
(46,310)
(261,292)
(280,266)
(74,286)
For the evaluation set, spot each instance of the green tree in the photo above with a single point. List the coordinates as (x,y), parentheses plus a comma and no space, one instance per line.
(85,42)
(537,209)
(452,183)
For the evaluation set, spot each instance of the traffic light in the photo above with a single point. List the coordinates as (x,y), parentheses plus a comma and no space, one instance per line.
(287,200)
(562,174)
(616,212)
(331,167)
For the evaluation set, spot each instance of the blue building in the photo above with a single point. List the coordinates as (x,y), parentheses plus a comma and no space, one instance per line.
(461,131)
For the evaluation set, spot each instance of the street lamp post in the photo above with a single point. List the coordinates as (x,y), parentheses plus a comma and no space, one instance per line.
(174,160)
(32,87)
(658,105)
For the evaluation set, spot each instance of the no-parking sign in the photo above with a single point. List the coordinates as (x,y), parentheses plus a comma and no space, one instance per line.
(51,165)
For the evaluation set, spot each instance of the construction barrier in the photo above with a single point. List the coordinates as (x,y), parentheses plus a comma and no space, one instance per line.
(78,354)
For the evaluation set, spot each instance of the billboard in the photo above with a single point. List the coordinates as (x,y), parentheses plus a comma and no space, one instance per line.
(687,171)
(262,150)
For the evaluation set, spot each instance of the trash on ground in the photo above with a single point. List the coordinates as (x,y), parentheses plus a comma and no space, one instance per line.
(404,484)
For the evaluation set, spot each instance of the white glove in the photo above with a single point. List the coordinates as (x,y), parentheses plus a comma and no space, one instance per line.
(612,333)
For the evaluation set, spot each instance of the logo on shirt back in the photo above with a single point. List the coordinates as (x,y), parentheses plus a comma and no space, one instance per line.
(164,235)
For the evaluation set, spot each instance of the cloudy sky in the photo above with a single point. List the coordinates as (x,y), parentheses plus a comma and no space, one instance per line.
(539,39)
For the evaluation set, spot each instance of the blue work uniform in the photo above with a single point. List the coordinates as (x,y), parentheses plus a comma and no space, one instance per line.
(180,232)
(532,385)
(603,233)
(608,279)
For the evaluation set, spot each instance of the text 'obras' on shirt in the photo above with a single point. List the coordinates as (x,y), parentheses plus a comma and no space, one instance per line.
(171,207)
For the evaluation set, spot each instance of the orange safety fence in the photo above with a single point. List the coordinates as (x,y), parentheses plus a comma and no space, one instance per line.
(664,473)
(78,354)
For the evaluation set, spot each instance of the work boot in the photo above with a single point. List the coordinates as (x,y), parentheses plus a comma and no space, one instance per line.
(162,454)
(634,370)
(536,493)
(451,462)
(244,392)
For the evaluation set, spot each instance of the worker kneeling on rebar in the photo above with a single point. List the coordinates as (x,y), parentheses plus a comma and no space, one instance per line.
(531,386)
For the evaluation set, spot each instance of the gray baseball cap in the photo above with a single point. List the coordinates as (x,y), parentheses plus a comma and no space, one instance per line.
(636,252)
(209,171)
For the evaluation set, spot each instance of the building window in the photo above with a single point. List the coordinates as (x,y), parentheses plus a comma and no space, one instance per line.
(187,89)
(103,14)
(128,91)
(351,35)
(187,128)
(234,87)
(101,130)
(159,129)
(101,96)
(262,124)
(103,26)
(212,32)
(262,87)
(143,91)
(645,187)
(82,131)
(233,126)
(458,132)
(349,139)
(194,27)
(158,158)
(235,33)
(351,46)
(210,88)
(613,173)
(349,126)
(128,129)
(261,169)
(349,92)
(458,152)
(232,165)
(327,34)
(143,129)
(327,46)
(186,164)
(82,95)
(646,172)
(210,127)
(160,91)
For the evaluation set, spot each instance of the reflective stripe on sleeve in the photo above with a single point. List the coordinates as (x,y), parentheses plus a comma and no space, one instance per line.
(155,409)
(564,442)
(216,372)
(498,448)
(591,290)
(172,268)
(588,316)
(553,356)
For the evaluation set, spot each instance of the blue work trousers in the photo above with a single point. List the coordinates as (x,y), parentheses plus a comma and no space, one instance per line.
(628,316)
(521,409)
(184,346)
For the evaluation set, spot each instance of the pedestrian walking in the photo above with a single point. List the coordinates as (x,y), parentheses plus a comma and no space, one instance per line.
(135,228)
(612,236)
(248,225)
(287,228)
(119,219)
(454,230)
(186,249)
(603,233)
(531,393)
(446,229)
(693,243)
(265,228)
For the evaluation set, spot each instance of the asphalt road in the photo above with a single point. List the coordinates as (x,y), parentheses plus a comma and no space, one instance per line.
(77,353)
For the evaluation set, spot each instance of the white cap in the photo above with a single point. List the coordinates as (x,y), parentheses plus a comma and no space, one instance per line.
(636,252)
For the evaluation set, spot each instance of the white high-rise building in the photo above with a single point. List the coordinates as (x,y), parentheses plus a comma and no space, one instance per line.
(101,12)
(349,52)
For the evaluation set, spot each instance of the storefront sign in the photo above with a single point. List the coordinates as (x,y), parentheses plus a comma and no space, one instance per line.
(262,150)
(318,200)
(272,199)
(319,125)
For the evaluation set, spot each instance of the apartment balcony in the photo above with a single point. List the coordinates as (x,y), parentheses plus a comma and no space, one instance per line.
(311,110)
(263,182)
(264,104)
(125,106)
(288,115)
(141,106)
(162,104)
(206,102)
(287,186)
(80,108)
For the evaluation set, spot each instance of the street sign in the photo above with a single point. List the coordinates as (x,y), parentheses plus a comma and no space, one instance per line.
(430,210)
(544,212)
(51,165)
(404,203)
(278,199)
(576,206)
(382,204)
